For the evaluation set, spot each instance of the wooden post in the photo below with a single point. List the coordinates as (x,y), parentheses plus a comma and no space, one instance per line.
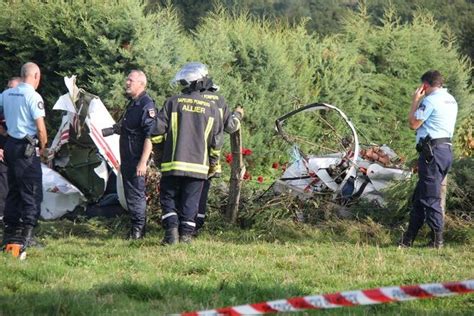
(236,173)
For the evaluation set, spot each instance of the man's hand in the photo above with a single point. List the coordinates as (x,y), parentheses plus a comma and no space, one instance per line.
(418,95)
(416,99)
(44,155)
(141,169)
(240,110)
(214,172)
(1,154)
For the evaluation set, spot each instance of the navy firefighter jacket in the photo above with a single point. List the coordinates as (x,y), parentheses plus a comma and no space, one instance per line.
(193,135)
(230,120)
(136,125)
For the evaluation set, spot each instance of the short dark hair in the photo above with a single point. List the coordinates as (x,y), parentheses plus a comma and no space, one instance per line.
(433,77)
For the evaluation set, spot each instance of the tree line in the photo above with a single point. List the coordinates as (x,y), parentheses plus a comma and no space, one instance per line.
(368,69)
(326,17)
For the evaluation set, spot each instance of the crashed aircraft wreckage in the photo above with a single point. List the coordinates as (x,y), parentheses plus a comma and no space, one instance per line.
(82,163)
(348,172)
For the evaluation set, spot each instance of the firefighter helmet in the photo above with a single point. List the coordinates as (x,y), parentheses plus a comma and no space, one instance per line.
(191,72)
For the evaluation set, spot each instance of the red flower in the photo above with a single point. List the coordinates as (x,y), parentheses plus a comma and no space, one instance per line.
(247,176)
(246,151)
(275,165)
(229,158)
(260,179)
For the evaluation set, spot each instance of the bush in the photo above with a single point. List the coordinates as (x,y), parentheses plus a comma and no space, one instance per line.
(98,41)
(368,71)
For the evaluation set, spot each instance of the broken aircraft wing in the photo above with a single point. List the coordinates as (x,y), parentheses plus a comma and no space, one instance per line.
(79,152)
(341,168)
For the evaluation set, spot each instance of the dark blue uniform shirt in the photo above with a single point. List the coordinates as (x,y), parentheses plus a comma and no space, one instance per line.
(137,124)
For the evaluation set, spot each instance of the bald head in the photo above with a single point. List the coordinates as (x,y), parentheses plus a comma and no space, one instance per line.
(140,75)
(30,73)
(136,83)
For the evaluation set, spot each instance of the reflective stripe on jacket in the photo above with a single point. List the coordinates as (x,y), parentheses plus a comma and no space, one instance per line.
(193,135)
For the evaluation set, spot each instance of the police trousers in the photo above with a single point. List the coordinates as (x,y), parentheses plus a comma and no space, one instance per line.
(134,189)
(3,187)
(179,199)
(427,196)
(23,204)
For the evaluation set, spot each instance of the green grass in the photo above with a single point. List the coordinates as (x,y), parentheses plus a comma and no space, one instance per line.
(89,269)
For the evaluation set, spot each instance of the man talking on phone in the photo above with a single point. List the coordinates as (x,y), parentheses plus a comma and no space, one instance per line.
(433,115)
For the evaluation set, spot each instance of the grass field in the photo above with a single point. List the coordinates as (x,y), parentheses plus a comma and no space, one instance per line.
(87,268)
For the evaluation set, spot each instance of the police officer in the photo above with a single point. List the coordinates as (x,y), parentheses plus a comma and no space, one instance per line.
(231,124)
(3,167)
(190,152)
(24,113)
(12,83)
(136,126)
(433,116)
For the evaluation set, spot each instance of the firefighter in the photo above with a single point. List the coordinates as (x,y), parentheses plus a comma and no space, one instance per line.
(433,116)
(136,127)
(231,124)
(24,112)
(191,152)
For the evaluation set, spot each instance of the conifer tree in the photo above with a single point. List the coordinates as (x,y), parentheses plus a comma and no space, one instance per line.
(98,41)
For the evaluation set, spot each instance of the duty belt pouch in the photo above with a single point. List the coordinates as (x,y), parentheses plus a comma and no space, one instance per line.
(426,148)
(30,148)
(419,146)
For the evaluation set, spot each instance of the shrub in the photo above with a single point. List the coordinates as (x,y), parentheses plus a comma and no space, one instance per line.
(98,41)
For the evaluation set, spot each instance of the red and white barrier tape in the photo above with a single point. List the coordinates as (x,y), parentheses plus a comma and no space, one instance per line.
(348,298)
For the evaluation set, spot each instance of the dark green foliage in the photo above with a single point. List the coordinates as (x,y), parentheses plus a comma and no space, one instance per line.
(189,11)
(369,69)
(98,41)
(454,14)
(325,17)
(461,189)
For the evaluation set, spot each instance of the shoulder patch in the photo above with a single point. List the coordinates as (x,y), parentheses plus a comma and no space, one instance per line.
(40,105)
(422,107)
(152,113)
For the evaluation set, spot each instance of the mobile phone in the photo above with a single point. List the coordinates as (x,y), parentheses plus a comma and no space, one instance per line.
(425,87)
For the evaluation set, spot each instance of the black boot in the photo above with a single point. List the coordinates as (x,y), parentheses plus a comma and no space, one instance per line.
(196,233)
(29,239)
(436,240)
(407,240)
(409,236)
(186,238)
(430,243)
(137,232)
(11,234)
(199,224)
(171,236)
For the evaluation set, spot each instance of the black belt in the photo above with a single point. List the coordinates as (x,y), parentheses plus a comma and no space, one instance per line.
(439,141)
(20,140)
